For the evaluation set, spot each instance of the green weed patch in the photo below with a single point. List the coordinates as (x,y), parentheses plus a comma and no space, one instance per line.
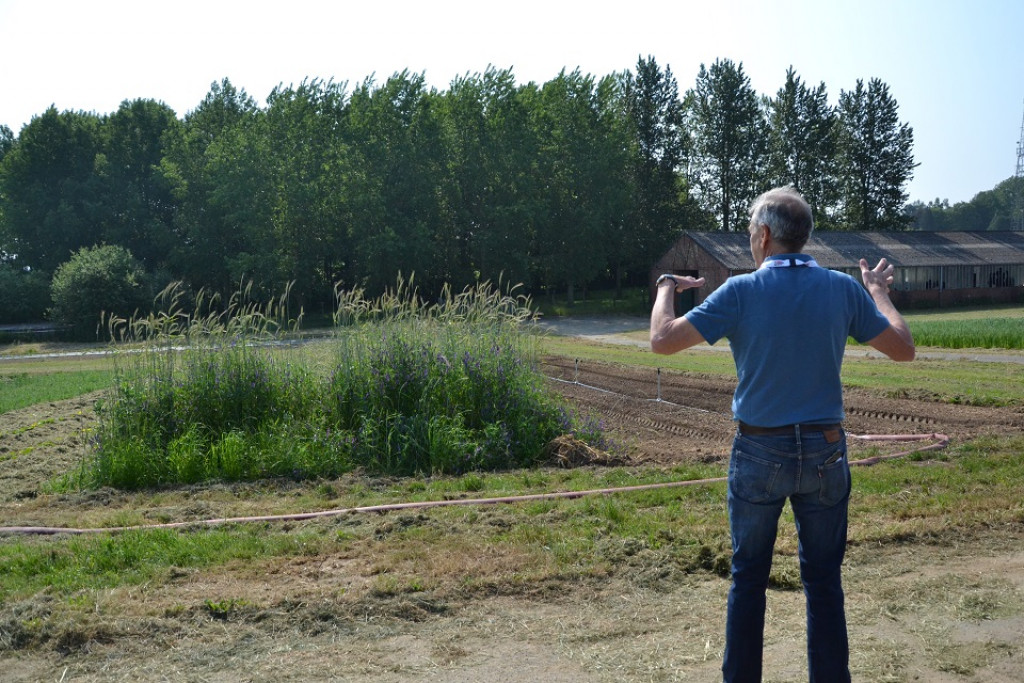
(447,388)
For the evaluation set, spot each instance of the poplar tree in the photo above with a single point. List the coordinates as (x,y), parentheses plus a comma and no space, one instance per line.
(6,141)
(394,132)
(490,150)
(657,118)
(569,248)
(802,145)
(307,237)
(729,142)
(875,158)
(214,170)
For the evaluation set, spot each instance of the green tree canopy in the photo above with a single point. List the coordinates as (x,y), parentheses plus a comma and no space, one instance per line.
(26,294)
(307,163)
(570,233)
(565,185)
(97,280)
(137,205)
(658,164)
(729,142)
(490,149)
(50,189)
(801,145)
(875,158)
(212,167)
(6,141)
(988,210)
(395,137)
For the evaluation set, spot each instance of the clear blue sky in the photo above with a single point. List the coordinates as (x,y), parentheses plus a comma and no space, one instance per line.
(956,68)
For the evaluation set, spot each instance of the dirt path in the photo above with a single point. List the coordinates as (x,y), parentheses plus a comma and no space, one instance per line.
(948,612)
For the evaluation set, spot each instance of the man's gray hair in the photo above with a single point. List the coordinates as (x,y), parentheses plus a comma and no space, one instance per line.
(787,214)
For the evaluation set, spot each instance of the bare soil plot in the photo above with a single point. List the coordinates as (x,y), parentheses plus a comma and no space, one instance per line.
(693,418)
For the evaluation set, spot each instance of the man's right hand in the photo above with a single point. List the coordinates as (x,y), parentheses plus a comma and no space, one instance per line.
(896,342)
(879,278)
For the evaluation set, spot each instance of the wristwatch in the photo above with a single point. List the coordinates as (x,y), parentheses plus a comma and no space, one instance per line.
(666,276)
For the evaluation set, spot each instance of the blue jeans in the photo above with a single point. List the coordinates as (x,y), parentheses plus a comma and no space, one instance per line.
(815,475)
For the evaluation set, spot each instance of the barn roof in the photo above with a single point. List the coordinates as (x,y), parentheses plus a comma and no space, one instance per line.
(845,249)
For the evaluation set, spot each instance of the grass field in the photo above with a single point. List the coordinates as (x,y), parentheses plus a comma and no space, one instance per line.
(18,390)
(629,585)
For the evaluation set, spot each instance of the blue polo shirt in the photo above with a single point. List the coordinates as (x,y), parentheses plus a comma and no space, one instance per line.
(787,327)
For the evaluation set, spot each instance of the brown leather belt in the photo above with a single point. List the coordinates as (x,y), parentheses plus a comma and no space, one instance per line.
(831,431)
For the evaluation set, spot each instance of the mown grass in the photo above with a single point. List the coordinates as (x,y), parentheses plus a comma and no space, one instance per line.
(564,538)
(657,534)
(99,562)
(23,389)
(654,539)
(959,382)
(1002,311)
(974,485)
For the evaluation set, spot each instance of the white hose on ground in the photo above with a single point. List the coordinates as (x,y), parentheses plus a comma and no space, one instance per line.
(941,441)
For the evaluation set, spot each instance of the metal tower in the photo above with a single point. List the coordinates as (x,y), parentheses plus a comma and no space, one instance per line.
(1018,210)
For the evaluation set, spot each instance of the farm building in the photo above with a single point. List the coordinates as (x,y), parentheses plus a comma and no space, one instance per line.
(932,268)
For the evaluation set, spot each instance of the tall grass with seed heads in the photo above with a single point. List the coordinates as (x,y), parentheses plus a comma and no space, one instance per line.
(447,386)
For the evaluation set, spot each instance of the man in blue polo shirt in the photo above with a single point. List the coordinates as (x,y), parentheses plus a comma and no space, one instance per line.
(787,324)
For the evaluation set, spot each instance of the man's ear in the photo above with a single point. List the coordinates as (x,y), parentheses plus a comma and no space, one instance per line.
(766,237)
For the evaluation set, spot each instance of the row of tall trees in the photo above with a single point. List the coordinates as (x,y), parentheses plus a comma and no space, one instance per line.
(557,185)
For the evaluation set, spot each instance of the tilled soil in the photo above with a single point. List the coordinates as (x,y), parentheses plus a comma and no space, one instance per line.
(692,420)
